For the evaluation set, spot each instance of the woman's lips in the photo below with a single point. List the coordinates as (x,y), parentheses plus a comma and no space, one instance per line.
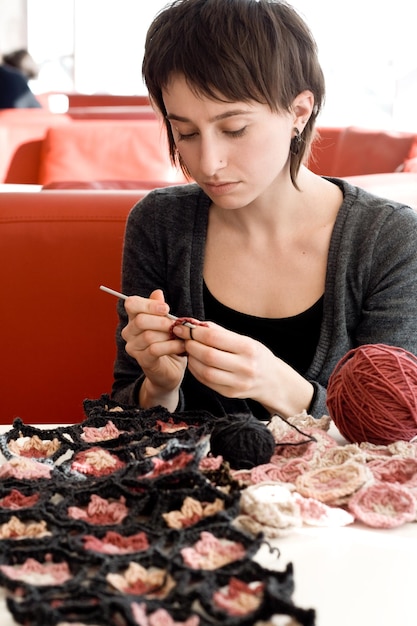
(219,189)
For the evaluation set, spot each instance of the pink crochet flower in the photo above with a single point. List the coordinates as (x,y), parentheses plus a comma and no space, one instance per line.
(383,505)
(38,574)
(209,552)
(100,511)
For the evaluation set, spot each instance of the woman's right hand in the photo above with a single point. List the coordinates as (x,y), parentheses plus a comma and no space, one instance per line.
(149,342)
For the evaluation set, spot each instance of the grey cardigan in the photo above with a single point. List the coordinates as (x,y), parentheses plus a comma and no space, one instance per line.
(370,294)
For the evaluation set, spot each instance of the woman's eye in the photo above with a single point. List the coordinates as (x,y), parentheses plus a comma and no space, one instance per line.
(185,136)
(236,133)
(230,133)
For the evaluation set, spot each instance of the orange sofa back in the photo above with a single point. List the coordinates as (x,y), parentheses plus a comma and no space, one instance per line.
(354,151)
(31,151)
(107,150)
(57,327)
(112,113)
(105,100)
(21,134)
(40,147)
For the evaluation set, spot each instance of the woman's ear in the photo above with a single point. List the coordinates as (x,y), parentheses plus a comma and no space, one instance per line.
(302,107)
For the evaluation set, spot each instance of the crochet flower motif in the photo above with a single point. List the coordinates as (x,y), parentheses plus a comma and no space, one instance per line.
(97,462)
(333,484)
(100,511)
(39,574)
(152,583)
(16,500)
(271,504)
(160,617)
(34,447)
(114,543)
(167,467)
(92,434)
(394,470)
(209,552)
(192,511)
(383,505)
(276,509)
(16,529)
(21,468)
(239,598)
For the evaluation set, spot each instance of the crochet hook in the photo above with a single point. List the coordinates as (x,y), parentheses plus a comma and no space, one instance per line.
(123,296)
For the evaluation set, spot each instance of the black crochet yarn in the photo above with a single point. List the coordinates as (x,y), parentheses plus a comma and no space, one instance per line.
(242,440)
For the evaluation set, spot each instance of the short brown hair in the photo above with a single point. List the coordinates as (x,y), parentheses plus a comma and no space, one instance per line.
(245,50)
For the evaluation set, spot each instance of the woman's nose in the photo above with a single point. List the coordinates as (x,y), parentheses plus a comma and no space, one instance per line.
(212,157)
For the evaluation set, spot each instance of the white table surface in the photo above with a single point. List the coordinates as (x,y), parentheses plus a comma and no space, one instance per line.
(351,576)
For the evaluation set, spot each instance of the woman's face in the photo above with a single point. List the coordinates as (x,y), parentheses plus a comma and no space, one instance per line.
(236,151)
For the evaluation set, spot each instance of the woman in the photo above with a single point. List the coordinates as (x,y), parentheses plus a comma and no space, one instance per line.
(290,269)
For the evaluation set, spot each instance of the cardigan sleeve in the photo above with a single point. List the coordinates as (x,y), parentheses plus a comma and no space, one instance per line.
(371,286)
(157,254)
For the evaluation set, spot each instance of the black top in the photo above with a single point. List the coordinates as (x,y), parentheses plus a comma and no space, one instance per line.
(293,339)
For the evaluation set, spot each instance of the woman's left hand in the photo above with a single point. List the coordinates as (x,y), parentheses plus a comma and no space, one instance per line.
(237,366)
(233,365)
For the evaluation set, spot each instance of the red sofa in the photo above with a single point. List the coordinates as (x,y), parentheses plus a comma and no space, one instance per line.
(57,327)
(355,151)
(121,150)
(40,147)
(22,132)
(31,151)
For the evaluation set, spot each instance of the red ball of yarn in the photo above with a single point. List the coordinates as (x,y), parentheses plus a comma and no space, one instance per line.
(372,394)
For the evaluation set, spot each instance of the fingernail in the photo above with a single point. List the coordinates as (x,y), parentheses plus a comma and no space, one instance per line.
(162,309)
(179,331)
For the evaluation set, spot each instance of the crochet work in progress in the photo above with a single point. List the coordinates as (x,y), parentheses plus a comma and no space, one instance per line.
(129,518)
(126,519)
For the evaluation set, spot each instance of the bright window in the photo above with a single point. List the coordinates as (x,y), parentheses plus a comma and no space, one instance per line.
(368,53)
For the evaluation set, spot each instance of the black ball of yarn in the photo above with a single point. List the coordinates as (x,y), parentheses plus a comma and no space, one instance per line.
(242,440)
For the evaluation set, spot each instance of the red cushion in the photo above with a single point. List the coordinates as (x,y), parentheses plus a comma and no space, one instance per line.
(363,151)
(321,160)
(104,150)
(107,184)
(21,135)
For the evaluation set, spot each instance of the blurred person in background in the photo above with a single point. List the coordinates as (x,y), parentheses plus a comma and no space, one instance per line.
(16,69)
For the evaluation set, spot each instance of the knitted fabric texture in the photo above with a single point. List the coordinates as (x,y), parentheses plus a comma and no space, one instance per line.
(117,512)
(158,526)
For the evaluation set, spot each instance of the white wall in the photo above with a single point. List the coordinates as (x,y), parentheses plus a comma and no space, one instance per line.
(12,25)
(368,51)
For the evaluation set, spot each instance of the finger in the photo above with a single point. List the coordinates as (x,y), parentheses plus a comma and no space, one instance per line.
(158,349)
(153,345)
(225,378)
(185,328)
(206,361)
(135,305)
(211,334)
(158,295)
